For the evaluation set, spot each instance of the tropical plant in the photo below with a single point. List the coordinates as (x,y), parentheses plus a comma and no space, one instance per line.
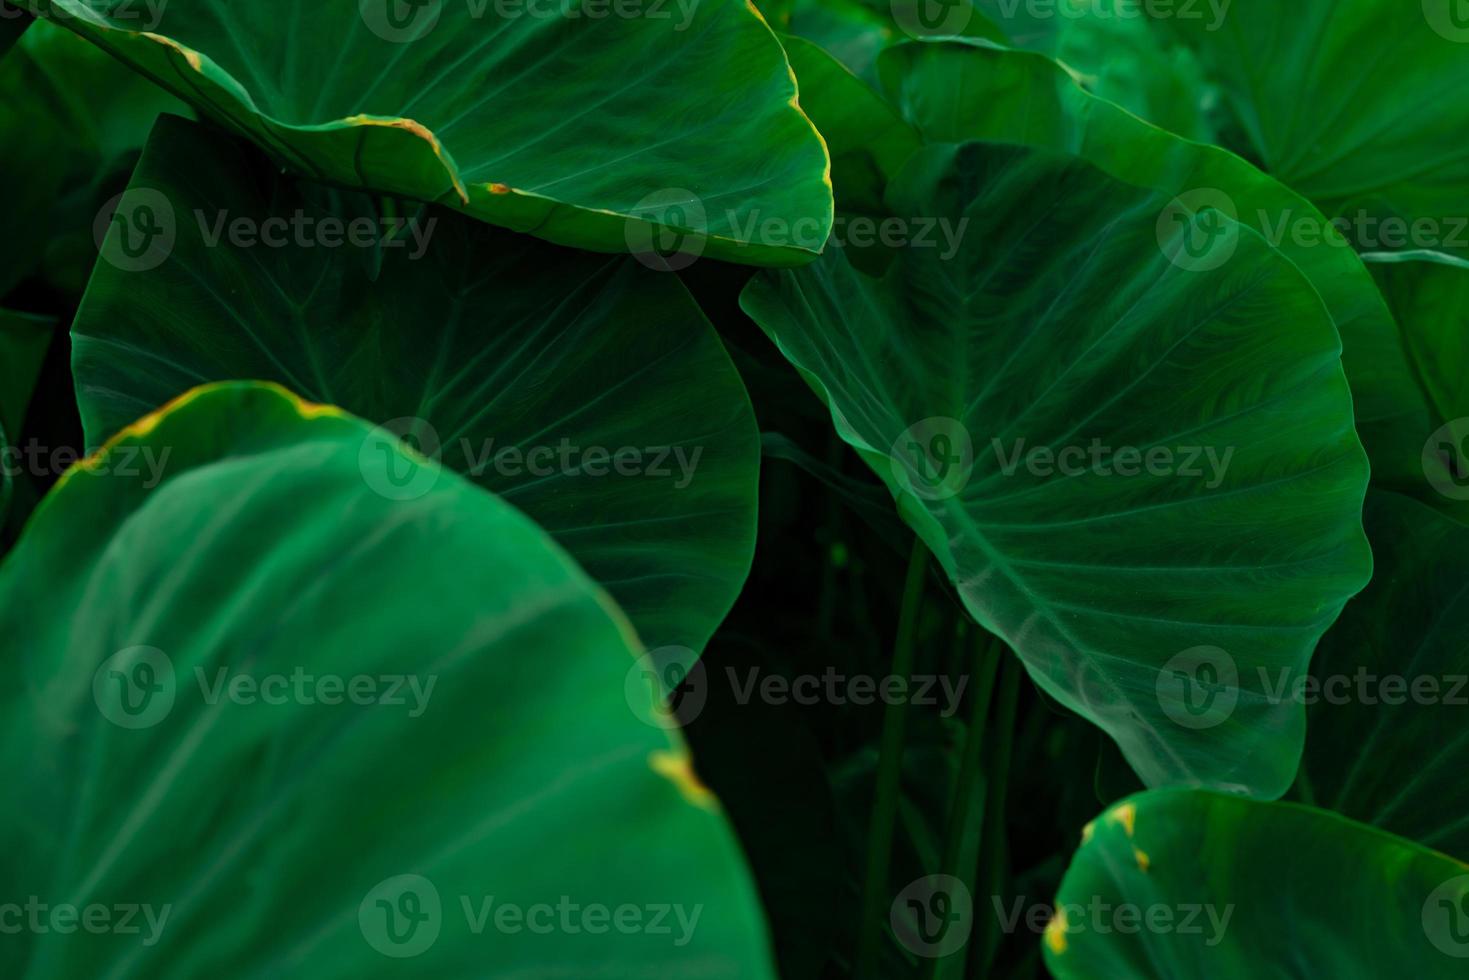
(691,488)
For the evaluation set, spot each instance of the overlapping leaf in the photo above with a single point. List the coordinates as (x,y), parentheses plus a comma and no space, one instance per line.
(1072,321)
(585,389)
(956,91)
(1184,883)
(311,730)
(568,123)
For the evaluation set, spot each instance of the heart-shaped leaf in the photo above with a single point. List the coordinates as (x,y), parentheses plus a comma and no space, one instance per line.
(582,125)
(1356,104)
(268,721)
(585,389)
(1127,454)
(954,92)
(1185,883)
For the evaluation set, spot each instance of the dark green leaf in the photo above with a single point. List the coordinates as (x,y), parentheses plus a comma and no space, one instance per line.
(1079,329)
(527,366)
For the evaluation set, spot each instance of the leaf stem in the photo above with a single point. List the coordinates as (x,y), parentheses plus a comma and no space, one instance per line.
(889,772)
(962,841)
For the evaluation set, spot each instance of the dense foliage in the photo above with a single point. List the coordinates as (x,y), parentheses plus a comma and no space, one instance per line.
(698,488)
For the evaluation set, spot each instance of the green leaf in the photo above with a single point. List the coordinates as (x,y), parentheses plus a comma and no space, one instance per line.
(583,130)
(867,138)
(1185,883)
(271,819)
(527,366)
(954,92)
(24,339)
(72,121)
(1354,103)
(1429,295)
(1388,686)
(1081,329)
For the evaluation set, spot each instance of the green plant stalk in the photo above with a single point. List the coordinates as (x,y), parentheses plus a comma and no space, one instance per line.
(996,784)
(961,850)
(889,772)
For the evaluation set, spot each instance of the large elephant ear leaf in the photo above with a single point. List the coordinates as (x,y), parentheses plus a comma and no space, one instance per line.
(296,765)
(587,390)
(867,138)
(1387,689)
(955,91)
(1131,458)
(598,132)
(1186,883)
(1357,104)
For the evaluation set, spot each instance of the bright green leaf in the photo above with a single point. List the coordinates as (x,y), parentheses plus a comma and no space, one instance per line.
(954,92)
(1123,459)
(1185,883)
(527,366)
(584,130)
(254,695)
